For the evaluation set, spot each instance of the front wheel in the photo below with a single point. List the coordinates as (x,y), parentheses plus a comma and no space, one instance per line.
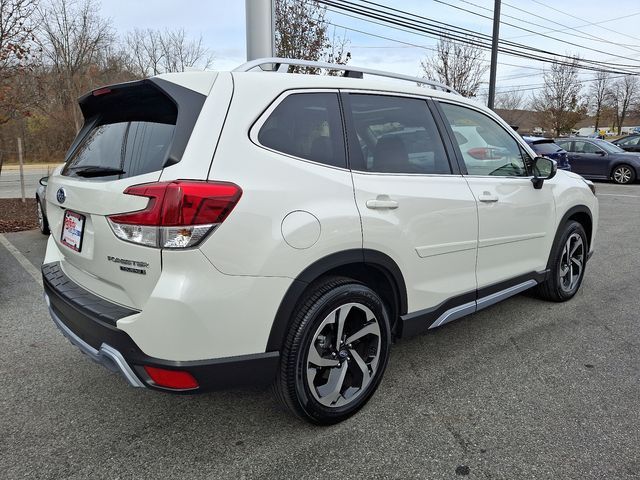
(568,261)
(336,351)
(623,174)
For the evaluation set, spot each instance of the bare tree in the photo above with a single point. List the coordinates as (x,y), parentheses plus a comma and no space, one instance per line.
(72,38)
(510,105)
(162,51)
(558,104)
(16,35)
(599,93)
(458,65)
(16,27)
(623,94)
(302,33)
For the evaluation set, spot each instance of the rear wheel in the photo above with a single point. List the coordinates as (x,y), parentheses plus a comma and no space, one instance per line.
(568,261)
(623,174)
(43,223)
(336,351)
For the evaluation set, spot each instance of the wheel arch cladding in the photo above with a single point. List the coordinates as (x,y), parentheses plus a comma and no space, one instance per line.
(580,214)
(375,269)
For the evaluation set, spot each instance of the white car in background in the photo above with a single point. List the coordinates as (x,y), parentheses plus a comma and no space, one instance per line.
(219,229)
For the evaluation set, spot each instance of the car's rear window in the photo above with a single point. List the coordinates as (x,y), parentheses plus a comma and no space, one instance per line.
(128,131)
(546,148)
(135,147)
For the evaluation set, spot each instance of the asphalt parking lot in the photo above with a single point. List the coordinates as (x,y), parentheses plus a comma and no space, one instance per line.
(525,389)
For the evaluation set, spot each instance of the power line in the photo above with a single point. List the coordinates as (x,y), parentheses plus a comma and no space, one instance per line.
(406,44)
(573,16)
(585,35)
(542,34)
(535,86)
(471,38)
(583,25)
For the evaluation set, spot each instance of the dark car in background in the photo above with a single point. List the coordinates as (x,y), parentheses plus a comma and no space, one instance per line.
(546,147)
(601,160)
(630,143)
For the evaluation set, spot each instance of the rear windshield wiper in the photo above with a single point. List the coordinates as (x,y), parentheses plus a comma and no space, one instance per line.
(96,171)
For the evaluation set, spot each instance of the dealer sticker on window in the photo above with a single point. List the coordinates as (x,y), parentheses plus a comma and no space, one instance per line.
(72,230)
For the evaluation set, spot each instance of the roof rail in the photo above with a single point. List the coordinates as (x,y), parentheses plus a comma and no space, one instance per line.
(282,65)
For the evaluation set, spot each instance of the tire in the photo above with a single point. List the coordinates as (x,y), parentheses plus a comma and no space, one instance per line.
(623,174)
(330,385)
(43,223)
(565,277)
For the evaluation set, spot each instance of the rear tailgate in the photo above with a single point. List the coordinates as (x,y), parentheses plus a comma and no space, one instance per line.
(101,263)
(131,132)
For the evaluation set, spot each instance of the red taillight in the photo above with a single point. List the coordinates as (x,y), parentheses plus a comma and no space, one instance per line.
(174,379)
(101,91)
(179,213)
(182,203)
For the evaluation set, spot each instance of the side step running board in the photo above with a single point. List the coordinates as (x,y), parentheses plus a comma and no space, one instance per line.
(484,302)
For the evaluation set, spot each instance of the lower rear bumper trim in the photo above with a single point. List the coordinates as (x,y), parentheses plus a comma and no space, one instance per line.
(105,355)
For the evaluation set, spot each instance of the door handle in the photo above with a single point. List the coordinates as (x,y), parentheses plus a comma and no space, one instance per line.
(382,201)
(487,197)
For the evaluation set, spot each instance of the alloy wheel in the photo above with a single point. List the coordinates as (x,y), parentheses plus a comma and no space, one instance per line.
(571,262)
(622,174)
(344,355)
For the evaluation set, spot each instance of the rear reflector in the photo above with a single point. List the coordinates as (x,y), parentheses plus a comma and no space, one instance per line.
(179,213)
(174,379)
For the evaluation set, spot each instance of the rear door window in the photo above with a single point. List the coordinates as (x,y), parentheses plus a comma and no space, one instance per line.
(396,135)
(308,126)
(585,147)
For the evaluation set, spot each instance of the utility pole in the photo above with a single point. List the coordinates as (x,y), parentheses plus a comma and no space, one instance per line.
(494,54)
(260,23)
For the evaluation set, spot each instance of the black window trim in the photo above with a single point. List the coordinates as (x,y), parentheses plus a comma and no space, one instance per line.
(254,130)
(458,153)
(353,143)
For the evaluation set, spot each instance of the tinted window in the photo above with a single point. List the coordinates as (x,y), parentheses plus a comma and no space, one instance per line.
(486,147)
(585,147)
(307,125)
(136,147)
(608,146)
(545,148)
(396,135)
(629,141)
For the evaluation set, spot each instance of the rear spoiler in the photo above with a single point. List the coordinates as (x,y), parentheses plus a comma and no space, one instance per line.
(149,99)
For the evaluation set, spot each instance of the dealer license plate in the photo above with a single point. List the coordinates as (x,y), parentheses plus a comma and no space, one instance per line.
(72,230)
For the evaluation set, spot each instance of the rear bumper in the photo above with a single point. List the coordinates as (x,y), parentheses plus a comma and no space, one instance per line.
(89,322)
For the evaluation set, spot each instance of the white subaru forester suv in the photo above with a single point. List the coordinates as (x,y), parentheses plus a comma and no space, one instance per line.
(223,229)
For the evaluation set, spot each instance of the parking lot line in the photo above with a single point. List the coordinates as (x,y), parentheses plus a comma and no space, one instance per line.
(22,260)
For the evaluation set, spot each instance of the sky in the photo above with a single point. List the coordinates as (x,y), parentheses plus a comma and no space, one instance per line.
(589,24)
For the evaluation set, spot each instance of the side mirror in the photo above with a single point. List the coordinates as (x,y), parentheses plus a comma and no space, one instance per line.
(43,181)
(601,153)
(543,169)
